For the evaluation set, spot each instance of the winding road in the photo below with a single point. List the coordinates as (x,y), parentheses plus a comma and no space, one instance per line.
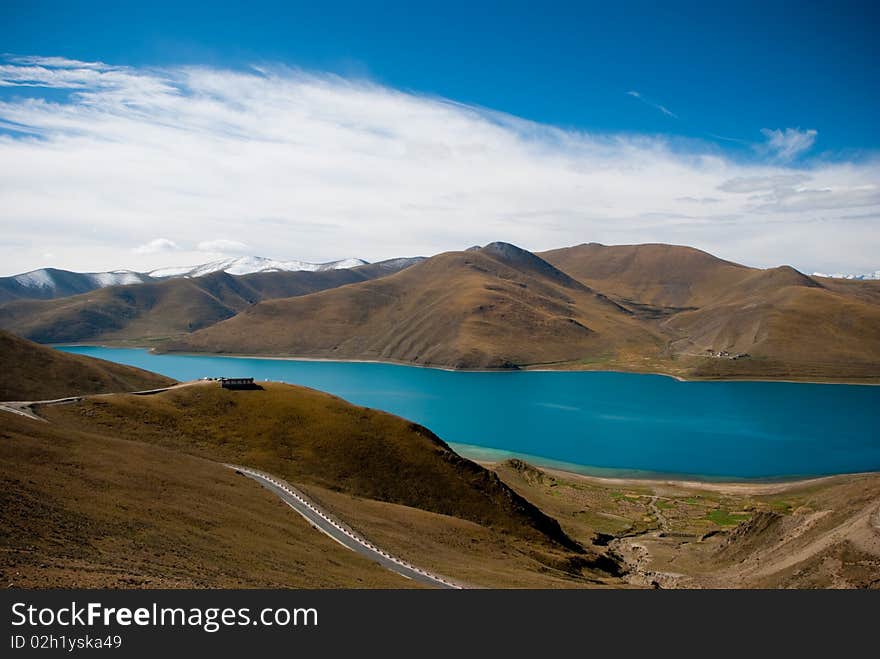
(318,518)
(338,532)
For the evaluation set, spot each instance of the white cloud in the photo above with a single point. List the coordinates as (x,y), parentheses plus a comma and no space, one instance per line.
(314,167)
(746,184)
(156,245)
(223,246)
(789,143)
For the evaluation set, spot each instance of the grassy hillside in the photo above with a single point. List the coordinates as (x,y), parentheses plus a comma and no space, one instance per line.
(81,510)
(311,437)
(498,306)
(167,308)
(35,372)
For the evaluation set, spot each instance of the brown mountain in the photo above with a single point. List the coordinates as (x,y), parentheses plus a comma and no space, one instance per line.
(496,306)
(660,275)
(156,310)
(656,308)
(35,372)
(789,324)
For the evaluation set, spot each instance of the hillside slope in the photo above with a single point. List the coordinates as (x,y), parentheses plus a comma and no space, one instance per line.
(84,510)
(497,306)
(307,436)
(789,324)
(35,372)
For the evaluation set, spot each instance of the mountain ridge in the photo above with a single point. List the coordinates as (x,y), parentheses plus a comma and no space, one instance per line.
(644,308)
(161,308)
(52,283)
(467,309)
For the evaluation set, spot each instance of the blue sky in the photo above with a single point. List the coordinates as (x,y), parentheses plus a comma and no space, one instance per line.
(727,71)
(767,110)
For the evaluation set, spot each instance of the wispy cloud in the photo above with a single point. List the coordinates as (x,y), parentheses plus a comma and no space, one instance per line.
(223,246)
(656,106)
(156,246)
(317,167)
(788,144)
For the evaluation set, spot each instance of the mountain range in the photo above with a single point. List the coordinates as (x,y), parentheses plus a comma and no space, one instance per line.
(49,283)
(157,309)
(841,275)
(490,307)
(644,308)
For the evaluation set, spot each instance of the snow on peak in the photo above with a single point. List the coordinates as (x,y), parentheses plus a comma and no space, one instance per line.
(41,278)
(116,278)
(840,275)
(343,264)
(246,265)
(46,279)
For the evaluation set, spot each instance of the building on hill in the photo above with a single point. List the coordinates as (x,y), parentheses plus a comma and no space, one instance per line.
(239,383)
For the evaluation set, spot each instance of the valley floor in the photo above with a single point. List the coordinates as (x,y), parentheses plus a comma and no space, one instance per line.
(822,532)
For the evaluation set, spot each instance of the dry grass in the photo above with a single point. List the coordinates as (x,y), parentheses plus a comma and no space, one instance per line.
(34,372)
(474,555)
(306,436)
(85,510)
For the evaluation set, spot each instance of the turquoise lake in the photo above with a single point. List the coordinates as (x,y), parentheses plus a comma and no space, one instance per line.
(598,423)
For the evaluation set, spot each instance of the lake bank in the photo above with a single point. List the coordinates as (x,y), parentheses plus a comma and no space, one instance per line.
(561,367)
(629,477)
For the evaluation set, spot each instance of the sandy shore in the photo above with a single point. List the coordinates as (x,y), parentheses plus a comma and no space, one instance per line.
(732,487)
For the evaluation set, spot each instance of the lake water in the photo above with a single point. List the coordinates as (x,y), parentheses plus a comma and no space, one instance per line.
(598,423)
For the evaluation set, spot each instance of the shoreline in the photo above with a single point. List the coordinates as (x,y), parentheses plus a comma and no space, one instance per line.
(538,368)
(608,476)
(755,488)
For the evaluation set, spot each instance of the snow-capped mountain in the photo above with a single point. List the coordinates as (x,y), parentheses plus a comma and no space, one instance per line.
(840,275)
(50,278)
(246,265)
(47,283)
